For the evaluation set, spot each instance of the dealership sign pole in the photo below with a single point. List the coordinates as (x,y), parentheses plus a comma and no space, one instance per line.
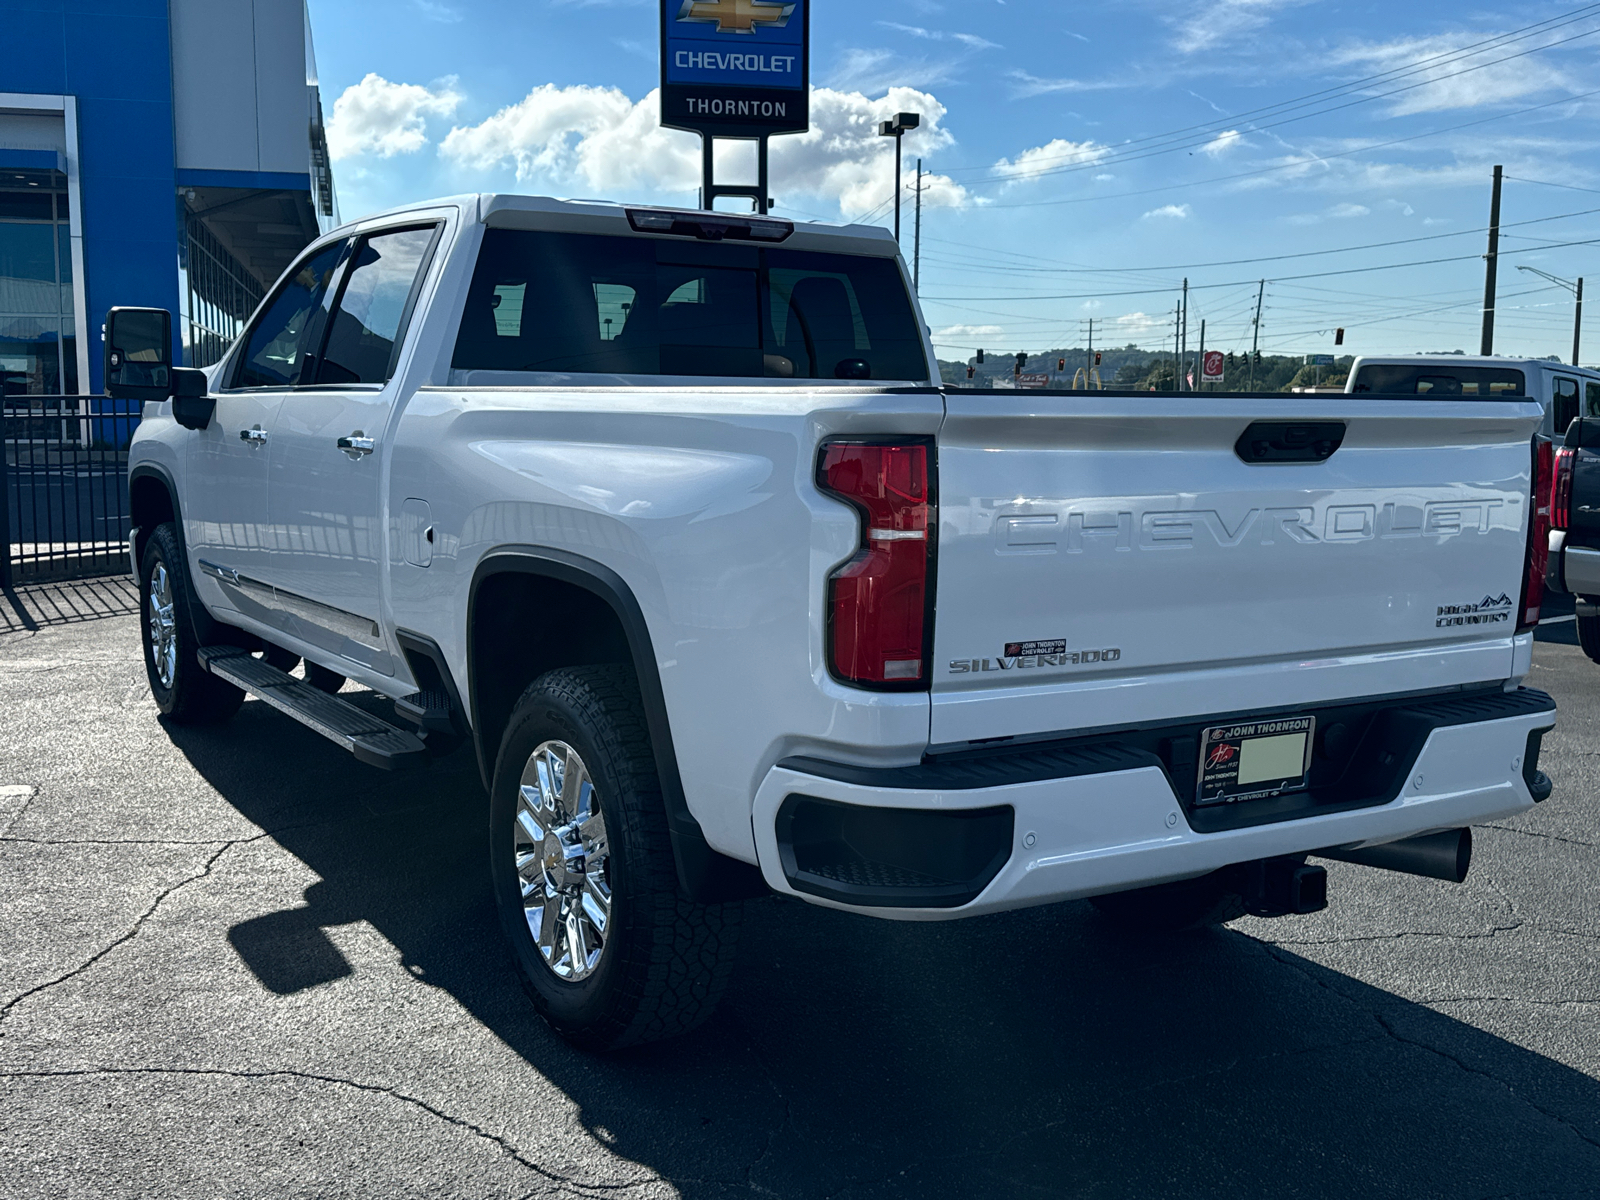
(735,69)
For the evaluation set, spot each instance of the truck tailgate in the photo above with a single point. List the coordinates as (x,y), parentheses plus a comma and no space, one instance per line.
(1109,561)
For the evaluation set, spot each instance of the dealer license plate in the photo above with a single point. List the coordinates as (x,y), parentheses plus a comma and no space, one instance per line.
(1254,759)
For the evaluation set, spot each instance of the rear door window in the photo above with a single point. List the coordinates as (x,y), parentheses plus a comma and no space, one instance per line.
(1564,403)
(278,343)
(592,304)
(1440,381)
(373,306)
(1591,399)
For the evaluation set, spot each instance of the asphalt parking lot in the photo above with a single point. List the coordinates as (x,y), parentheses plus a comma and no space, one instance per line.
(238,963)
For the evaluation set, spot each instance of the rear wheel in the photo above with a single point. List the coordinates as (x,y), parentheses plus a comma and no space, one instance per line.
(182,688)
(583,870)
(1589,635)
(1212,899)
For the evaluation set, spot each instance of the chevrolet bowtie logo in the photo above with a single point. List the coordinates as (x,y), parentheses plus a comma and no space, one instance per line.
(737,16)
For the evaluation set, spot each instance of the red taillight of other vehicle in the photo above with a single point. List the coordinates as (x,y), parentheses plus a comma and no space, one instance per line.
(879,621)
(1561,489)
(1538,535)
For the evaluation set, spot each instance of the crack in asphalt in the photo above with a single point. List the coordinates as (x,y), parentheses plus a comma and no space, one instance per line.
(1492,932)
(499,1140)
(130,934)
(11,819)
(1387,1027)
(1551,837)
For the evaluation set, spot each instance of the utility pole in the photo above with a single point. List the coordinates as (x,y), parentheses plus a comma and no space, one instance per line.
(1200,375)
(1184,340)
(1255,338)
(1491,260)
(1178,322)
(1088,358)
(1577,322)
(916,242)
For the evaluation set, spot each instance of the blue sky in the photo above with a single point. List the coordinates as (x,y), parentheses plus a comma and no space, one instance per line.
(1082,159)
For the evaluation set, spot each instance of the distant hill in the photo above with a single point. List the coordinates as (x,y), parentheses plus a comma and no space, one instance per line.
(1134,368)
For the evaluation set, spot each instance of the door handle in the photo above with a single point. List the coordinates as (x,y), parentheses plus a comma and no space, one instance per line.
(355,443)
(256,436)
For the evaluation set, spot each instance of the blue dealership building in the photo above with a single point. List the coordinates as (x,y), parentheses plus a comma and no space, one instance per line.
(167,153)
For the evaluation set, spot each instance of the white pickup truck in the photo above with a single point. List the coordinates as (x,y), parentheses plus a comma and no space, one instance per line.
(665,515)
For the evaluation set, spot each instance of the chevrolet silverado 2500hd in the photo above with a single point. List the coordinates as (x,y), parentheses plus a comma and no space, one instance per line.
(665,515)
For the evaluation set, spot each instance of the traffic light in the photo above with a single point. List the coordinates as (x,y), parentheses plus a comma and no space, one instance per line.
(980,355)
(1338,337)
(1022,361)
(1258,358)
(1230,358)
(1061,364)
(971,370)
(1097,358)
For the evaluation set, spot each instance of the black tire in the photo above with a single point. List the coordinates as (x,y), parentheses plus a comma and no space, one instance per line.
(665,960)
(1589,636)
(188,694)
(1212,899)
(324,680)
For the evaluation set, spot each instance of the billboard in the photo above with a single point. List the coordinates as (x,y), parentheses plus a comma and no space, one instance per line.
(735,68)
(1211,367)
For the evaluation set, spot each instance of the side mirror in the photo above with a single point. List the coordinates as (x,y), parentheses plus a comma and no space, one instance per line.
(191,407)
(138,345)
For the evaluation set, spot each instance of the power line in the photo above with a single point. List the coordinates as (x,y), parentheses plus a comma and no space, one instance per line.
(1566,18)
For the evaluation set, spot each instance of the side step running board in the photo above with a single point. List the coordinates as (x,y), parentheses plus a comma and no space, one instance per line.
(371,739)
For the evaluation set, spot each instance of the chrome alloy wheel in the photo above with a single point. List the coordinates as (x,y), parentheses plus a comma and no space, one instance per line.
(563,861)
(163,625)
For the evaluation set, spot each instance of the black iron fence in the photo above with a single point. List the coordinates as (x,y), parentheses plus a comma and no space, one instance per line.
(63,486)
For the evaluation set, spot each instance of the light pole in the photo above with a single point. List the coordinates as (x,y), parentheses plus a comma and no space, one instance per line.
(896,129)
(1577,292)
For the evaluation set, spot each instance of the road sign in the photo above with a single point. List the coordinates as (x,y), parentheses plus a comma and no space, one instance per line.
(1319,360)
(1211,367)
(735,68)
(1033,379)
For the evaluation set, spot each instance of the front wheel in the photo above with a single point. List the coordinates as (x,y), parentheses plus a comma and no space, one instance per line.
(182,688)
(583,870)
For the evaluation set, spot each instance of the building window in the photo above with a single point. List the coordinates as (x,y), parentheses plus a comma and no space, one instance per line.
(38,344)
(220,292)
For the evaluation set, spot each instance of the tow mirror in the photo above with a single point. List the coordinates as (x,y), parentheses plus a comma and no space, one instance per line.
(138,354)
(139,365)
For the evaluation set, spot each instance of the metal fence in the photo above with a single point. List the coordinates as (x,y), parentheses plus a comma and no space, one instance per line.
(63,486)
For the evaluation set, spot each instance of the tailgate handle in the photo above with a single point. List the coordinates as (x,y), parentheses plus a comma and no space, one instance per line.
(1289,441)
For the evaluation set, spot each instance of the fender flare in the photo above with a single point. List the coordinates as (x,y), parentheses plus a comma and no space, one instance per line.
(704,874)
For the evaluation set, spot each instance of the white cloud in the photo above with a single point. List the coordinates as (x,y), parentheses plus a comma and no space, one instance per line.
(970,40)
(1345,211)
(1449,84)
(610,143)
(1222,143)
(1177,211)
(962,336)
(382,118)
(1135,323)
(434,11)
(1222,21)
(1027,85)
(864,70)
(1053,155)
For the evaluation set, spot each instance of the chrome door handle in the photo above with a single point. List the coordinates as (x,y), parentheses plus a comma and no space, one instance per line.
(356,444)
(256,436)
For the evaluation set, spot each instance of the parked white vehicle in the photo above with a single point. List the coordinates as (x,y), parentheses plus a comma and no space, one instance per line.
(1565,392)
(665,515)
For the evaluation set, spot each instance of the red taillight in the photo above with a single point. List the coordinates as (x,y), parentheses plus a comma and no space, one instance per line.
(878,621)
(1561,489)
(1538,535)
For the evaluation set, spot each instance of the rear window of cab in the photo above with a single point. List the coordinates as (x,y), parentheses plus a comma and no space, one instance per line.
(597,304)
(1439,381)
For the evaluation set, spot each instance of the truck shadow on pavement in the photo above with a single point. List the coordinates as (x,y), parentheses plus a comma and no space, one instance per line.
(1031,1052)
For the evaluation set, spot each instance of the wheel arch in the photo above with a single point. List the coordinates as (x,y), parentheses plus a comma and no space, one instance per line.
(152,499)
(601,622)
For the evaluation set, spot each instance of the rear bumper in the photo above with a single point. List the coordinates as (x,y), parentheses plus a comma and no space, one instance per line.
(1574,569)
(1106,821)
